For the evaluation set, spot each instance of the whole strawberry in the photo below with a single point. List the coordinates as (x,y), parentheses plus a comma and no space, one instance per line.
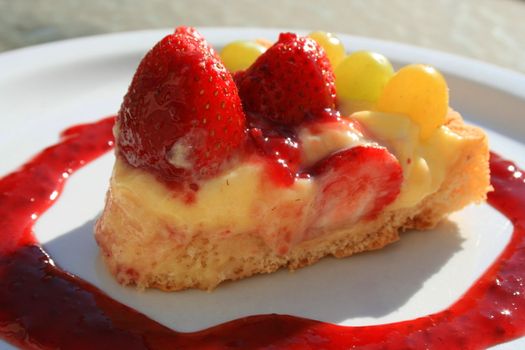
(290,82)
(190,31)
(182,117)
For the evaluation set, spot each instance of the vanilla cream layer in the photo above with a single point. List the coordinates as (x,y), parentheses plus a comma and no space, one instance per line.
(425,163)
(322,139)
(243,201)
(238,201)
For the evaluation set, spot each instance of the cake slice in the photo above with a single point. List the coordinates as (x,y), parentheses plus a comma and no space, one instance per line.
(219,176)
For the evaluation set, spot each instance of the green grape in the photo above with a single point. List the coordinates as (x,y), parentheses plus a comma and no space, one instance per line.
(362,76)
(239,55)
(335,51)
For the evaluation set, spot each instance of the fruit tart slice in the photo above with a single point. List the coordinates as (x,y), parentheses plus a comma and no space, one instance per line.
(220,175)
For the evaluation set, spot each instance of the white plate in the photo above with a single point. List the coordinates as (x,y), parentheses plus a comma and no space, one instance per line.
(46,88)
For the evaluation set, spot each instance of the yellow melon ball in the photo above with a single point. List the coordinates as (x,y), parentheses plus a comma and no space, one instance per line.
(335,51)
(420,92)
(239,55)
(362,76)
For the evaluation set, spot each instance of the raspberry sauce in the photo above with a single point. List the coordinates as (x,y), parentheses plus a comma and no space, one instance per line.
(44,307)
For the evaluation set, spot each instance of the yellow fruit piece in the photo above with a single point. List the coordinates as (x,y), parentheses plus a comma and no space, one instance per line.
(335,51)
(362,76)
(239,55)
(420,92)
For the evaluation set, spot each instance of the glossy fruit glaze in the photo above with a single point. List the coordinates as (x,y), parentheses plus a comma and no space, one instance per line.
(44,307)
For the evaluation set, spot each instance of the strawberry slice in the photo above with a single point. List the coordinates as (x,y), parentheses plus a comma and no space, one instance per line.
(356,183)
(290,82)
(182,117)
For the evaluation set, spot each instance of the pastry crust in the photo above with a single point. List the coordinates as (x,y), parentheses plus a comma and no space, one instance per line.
(139,256)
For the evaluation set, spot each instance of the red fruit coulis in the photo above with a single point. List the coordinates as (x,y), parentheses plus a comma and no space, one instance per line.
(280,146)
(44,307)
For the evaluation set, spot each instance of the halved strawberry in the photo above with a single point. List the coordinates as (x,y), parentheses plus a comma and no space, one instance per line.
(182,117)
(290,82)
(356,183)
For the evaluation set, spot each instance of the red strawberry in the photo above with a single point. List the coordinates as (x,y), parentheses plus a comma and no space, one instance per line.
(182,117)
(282,153)
(356,183)
(190,31)
(291,81)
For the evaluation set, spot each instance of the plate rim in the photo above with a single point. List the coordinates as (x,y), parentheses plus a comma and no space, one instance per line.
(501,78)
